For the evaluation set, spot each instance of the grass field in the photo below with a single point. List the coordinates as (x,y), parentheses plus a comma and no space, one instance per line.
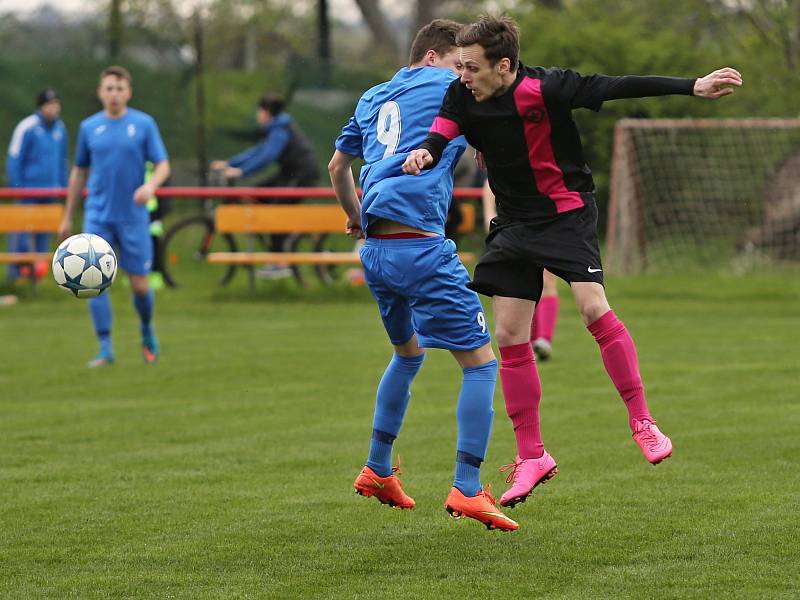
(225,471)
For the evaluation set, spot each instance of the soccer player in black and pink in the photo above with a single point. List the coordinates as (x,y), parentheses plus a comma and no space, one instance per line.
(520,119)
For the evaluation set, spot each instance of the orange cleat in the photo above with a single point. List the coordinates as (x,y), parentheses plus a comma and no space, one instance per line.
(40,269)
(150,350)
(481,507)
(388,490)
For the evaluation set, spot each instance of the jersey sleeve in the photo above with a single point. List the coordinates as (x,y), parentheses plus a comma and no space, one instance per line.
(155,151)
(591,91)
(448,124)
(263,154)
(16,154)
(83,158)
(350,141)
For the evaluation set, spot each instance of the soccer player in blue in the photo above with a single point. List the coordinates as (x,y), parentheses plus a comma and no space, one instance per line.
(37,158)
(413,270)
(113,147)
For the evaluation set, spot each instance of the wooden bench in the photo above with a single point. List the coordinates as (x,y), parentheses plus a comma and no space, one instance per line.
(297,220)
(29,218)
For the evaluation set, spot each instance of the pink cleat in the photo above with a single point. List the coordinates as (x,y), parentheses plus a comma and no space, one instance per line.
(655,445)
(526,475)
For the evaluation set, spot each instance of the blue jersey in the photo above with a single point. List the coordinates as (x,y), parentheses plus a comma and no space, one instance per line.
(116,151)
(37,154)
(392,119)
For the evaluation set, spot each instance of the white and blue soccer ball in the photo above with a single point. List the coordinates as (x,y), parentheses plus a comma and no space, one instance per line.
(84,265)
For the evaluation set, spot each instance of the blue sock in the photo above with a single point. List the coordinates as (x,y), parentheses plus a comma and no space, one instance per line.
(144,306)
(100,309)
(390,408)
(468,473)
(16,243)
(474,414)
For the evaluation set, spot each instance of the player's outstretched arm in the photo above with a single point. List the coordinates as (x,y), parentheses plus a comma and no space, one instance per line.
(416,161)
(717,84)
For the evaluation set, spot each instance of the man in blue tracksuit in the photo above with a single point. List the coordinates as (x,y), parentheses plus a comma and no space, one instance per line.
(37,157)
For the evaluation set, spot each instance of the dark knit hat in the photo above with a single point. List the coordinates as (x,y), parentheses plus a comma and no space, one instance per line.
(45,96)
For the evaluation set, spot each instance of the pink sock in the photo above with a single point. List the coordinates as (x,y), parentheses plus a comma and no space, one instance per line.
(544,319)
(522,391)
(619,357)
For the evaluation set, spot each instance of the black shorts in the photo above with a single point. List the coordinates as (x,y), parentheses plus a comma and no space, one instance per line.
(517,252)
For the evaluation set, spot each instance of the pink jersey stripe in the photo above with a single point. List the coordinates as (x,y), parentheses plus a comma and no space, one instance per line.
(445,127)
(536,122)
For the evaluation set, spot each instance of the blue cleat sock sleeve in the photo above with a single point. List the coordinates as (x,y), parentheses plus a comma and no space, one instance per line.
(390,408)
(144,306)
(475,414)
(100,309)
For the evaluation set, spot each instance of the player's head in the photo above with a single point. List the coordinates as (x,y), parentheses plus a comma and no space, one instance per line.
(48,103)
(115,89)
(269,107)
(435,46)
(489,54)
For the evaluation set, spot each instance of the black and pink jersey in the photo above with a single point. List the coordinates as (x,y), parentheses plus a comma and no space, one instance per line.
(528,138)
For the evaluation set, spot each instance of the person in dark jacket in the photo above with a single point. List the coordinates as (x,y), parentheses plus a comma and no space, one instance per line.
(285,144)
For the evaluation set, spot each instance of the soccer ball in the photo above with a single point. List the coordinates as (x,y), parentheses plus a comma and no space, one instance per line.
(84,265)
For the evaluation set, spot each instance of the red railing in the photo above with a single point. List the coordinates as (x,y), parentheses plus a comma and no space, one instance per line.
(216,192)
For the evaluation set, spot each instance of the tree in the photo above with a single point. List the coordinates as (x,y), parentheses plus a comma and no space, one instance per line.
(776,22)
(115,30)
(382,34)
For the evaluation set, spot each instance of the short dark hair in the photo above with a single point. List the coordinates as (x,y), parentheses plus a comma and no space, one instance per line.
(274,105)
(498,36)
(117,71)
(439,35)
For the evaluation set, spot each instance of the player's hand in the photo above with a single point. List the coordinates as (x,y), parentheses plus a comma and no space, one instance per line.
(353,228)
(232,172)
(416,161)
(481,162)
(64,230)
(143,193)
(219,165)
(717,84)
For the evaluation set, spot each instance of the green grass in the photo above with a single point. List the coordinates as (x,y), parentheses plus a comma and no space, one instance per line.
(225,471)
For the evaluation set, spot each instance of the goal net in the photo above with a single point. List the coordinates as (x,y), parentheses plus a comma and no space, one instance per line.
(709,192)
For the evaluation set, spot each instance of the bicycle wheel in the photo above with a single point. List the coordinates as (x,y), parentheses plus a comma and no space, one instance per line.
(298,242)
(186,245)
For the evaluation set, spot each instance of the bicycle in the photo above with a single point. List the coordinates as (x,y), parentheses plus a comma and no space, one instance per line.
(188,242)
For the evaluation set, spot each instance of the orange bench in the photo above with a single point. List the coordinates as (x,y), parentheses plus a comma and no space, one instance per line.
(297,220)
(29,218)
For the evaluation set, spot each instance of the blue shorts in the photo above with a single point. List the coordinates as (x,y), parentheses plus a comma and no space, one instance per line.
(131,241)
(421,287)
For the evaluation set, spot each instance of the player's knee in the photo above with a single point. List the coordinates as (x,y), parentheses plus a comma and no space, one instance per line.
(409,349)
(593,310)
(510,334)
(140,284)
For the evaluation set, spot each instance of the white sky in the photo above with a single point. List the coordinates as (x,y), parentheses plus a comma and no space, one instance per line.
(343,9)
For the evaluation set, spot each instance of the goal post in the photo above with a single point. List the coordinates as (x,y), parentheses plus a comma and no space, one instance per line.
(704,193)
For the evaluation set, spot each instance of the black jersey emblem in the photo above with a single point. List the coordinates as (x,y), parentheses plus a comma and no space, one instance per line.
(535,115)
